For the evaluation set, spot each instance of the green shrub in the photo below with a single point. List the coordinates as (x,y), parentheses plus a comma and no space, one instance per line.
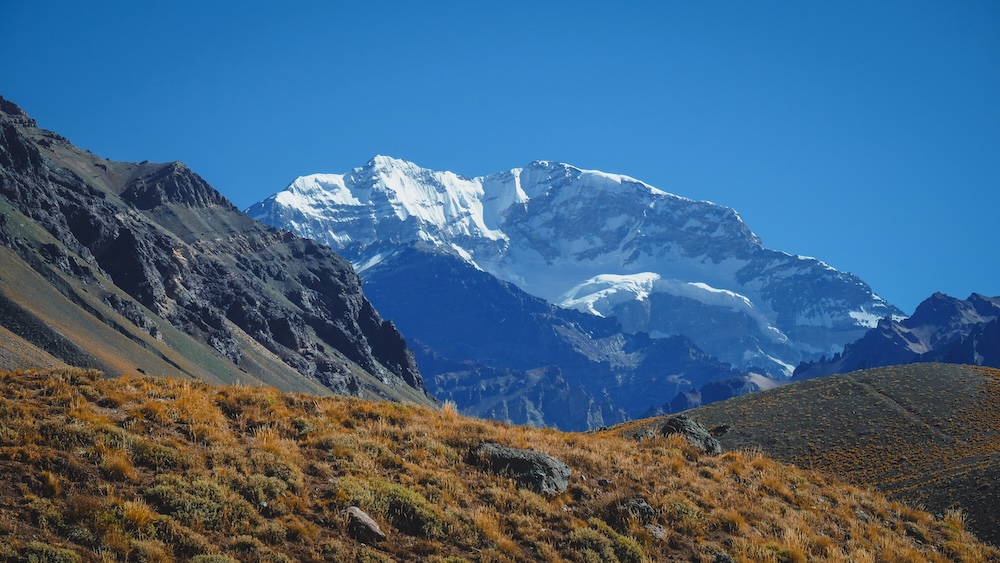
(599,542)
(405,508)
(202,503)
(158,456)
(185,541)
(213,558)
(38,552)
(44,513)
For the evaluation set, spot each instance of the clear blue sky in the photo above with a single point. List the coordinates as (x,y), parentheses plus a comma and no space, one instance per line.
(866,134)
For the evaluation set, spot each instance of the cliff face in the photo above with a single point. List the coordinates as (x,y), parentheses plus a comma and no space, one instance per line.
(163,248)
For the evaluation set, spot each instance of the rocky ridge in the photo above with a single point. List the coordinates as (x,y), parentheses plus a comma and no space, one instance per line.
(156,245)
(941,329)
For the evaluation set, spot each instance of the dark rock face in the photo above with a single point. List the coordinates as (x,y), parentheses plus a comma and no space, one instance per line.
(362,527)
(174,183)
(942,329)
(537,471)
(179,249)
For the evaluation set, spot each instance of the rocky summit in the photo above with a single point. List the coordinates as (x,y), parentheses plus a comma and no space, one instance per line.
(143,267)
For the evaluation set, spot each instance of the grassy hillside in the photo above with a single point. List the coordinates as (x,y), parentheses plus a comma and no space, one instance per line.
(927,434)
(152,469)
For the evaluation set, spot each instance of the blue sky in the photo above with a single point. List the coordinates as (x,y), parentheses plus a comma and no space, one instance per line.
(866,134)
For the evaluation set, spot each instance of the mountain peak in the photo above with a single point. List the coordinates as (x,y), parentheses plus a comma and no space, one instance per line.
(384,161)
(173,183)
(550,227)
(13,112)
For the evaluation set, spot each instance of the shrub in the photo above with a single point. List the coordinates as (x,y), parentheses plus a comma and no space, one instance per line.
(213,558)
(405,508)
(149,551)
(599,542)
(44,513)
(157,456)
(38,552)
(118,466)
(685,516)
(202,503)
(185,541)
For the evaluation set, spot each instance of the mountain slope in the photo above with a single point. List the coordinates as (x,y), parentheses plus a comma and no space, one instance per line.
(602,243)
(501,353)
(154,469)
(191,286)
(941,329)
(927,434)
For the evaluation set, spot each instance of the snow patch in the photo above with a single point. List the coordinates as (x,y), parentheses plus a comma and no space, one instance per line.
(864,318)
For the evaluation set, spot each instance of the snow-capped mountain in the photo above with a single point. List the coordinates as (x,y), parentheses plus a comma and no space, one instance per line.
(602,243)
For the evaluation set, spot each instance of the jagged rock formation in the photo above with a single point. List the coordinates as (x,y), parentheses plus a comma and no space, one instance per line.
(149,247)
(941,329)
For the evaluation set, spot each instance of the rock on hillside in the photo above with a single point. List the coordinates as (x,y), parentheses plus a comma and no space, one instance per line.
(157,247)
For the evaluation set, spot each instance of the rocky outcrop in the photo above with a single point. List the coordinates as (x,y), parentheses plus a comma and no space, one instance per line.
(183,254)
(534,470)
(173,183)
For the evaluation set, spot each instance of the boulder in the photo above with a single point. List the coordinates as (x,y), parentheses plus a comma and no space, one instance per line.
(362,527)
(693,431)
(637,508)
(534,470)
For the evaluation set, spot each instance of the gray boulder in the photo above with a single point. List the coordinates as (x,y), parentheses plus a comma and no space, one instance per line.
(537,471)
(362,527)
(693,431)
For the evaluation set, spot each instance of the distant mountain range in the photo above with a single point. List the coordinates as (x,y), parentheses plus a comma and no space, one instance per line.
(143,267)
(527,247)
(941,329)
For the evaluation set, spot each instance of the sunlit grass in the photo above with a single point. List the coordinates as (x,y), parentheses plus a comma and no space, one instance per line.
(159,470)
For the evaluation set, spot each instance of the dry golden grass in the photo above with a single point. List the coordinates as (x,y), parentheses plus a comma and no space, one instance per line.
(141,469)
